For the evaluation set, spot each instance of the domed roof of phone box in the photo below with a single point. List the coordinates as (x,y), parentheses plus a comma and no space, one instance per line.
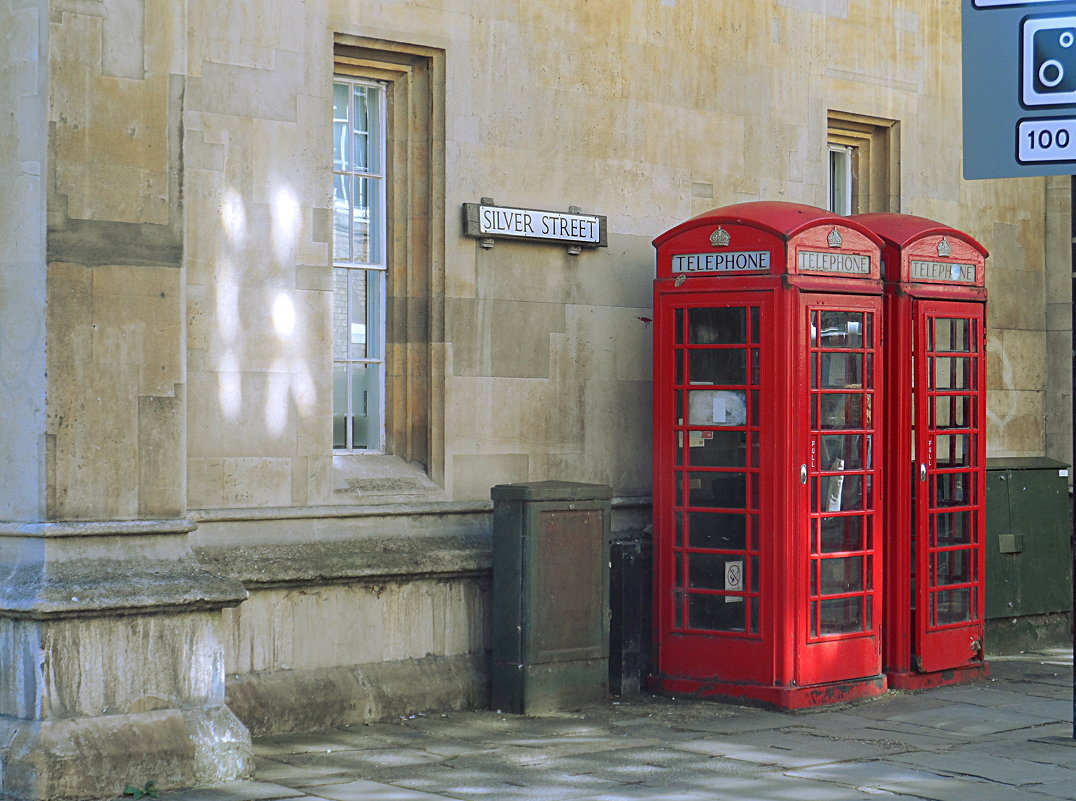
(900,230)
(777,217)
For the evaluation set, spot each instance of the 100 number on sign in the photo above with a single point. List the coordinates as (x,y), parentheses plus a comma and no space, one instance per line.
(1046,140)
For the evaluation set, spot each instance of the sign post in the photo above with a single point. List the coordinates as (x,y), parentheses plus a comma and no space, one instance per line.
(1019,69)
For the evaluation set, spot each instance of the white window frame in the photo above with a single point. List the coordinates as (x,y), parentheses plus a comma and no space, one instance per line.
(374,268)
(839,172)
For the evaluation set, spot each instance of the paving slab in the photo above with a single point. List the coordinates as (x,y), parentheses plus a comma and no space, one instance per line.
(991,767)
(241,791)
(891,777)
(788,750)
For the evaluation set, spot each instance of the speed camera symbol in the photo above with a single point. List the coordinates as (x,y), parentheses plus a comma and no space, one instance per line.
(1049,61)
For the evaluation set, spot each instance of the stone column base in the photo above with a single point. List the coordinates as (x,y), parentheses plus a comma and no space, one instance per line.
(111,664)
(98,757)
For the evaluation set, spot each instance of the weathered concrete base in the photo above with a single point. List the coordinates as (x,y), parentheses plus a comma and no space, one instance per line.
(305,700)
(1014,635)
(98,757)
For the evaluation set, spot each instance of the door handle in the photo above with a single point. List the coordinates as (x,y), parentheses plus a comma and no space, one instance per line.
(922,471)
(803,474)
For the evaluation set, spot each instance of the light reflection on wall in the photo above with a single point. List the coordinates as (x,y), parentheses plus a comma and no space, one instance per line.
(289,379)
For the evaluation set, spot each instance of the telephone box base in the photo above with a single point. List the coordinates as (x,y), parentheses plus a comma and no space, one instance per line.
(786,698)
(911,680)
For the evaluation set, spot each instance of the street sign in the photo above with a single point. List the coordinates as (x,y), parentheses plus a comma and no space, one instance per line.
(1019,67)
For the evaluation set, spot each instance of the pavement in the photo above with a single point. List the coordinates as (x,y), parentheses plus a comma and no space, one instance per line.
(1008,738)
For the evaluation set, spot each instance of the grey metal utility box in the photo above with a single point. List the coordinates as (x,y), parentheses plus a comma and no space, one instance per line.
(550,596)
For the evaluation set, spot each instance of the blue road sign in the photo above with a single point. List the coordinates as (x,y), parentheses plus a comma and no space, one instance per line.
(1019,69)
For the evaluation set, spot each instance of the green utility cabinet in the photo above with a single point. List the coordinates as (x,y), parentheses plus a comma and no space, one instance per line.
(1028,535)
(550,596)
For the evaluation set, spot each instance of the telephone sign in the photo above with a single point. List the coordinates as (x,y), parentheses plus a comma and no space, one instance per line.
(1019,64)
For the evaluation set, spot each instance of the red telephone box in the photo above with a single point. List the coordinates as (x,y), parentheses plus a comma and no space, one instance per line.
(767,479)
(935,466)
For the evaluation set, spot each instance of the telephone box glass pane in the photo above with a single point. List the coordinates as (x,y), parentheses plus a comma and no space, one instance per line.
(716,612)
(953,450)
(718,366)
(953,606)
(953,411)
(717,448)
(842,370)
(716,571)
(678,327)
(843,410)
(952,335)
(717,530)
(841,615)
(952,372)
(720,490)
(837,534)
(720,326)
(842,575)
(838,329)
(954,489)
(953,528)
(843,448)
(953,567)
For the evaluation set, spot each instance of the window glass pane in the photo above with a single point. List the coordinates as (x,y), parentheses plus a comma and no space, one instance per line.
(341,218)
(340,126)
(340,414)
(340,313)
(356,334)
(366,406)
(367,136)
(364,221)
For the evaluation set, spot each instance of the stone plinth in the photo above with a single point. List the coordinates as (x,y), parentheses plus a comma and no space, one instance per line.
(112,665)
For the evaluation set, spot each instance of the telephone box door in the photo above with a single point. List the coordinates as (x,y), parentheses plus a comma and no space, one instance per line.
(841,484)
(708,507)
(949,398)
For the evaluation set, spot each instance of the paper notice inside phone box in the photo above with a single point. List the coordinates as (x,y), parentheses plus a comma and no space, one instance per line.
(717,407)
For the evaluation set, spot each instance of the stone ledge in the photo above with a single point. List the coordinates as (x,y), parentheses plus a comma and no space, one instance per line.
(404,556)
(279,701)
